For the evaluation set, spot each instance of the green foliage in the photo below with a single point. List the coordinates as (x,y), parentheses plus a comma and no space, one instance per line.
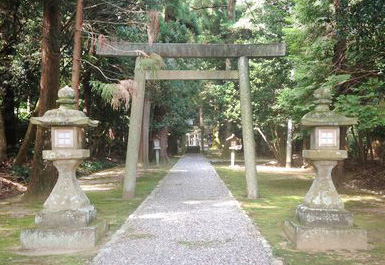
(365,104)
(281,88)
(105,90)
(337,45)
(173,32)
(19,171)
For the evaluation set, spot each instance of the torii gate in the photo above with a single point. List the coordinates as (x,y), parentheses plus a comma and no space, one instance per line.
(191,50)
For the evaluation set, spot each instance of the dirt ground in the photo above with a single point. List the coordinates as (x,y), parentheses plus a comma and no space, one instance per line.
(369,176)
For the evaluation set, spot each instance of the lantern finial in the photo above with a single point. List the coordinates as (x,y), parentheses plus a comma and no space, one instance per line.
(323,98)
(66,98)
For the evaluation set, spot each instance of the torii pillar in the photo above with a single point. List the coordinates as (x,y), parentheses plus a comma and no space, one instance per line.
(192,50)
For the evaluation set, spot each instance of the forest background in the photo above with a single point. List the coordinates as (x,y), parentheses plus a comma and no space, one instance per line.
(337,44)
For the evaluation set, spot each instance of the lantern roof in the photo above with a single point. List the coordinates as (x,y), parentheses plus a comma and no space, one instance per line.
(232,137)
(66,114)
(322,115)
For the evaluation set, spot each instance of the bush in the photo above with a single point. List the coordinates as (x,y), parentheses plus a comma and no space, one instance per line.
(19,173)
(88,167)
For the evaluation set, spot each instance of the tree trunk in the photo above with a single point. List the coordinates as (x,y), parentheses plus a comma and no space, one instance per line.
(231,9)
(370,146)
(9,28)
(3,141)
(43,175)
(339,59)
(77,53)
(228,130)
(9,115)
(21,156)
(163,135)
(87,92)
(340,45)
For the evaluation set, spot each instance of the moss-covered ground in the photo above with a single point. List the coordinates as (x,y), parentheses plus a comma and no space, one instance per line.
(104,189)
(279,195)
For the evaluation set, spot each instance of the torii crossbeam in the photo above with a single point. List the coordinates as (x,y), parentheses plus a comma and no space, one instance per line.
(192,50)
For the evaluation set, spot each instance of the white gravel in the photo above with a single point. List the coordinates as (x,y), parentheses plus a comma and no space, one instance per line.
(191,218)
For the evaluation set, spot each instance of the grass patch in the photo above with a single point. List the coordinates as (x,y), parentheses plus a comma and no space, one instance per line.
(109,203)
(280,194)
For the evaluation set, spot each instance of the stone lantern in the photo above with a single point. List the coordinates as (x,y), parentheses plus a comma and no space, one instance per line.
(156,141)
(323,222)
(235,144)
(64,222)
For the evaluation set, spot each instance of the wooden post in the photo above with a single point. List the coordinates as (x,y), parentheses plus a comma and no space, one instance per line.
(134,133)
(288,143)
(247,128)
(232,158)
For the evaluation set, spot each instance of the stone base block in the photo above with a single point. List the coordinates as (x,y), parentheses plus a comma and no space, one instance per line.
(323,238)
(324,217)
(67,238)
(68,218)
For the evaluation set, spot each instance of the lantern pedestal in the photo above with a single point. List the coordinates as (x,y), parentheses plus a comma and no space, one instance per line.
(62,239)
(325,238)
(324,224)
(64,223)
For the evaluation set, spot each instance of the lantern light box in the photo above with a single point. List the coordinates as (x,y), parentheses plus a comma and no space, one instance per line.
(66,137)
(156,141)
(325,138)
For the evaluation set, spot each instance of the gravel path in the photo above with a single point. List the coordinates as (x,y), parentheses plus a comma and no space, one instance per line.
(191,218)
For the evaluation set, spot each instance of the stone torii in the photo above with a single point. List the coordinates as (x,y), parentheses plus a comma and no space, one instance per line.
(191,50)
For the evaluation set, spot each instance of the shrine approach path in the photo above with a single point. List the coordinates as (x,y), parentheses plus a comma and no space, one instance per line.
(191,218)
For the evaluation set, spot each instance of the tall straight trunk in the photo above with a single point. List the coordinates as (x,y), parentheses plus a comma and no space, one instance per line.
(339,58)
(231,17)
(87,95)
(228,130)
(231,9)
(163,135)
(9,28)
(339,61)
(43,175)
(77,53)
(87,91)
